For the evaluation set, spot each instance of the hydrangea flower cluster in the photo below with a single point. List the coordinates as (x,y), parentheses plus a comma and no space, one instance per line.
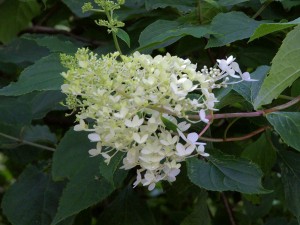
(129,102)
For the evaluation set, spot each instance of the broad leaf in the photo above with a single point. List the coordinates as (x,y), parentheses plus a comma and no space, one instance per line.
(287,125)
(127,209)
(112,172)
(86,186)
(291,180)
(167,32)
(55,43)
(32,199)
(181,5)
(15,16)
(284,70)
(226,173)
(43,75)
(230,27)
(22,50)
(268,28)
(249,90)
(230,2)
(73,148)
(261,153)
(13,111)
(200,214)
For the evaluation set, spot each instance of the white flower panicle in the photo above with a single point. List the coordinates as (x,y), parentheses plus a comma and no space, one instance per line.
(132,99)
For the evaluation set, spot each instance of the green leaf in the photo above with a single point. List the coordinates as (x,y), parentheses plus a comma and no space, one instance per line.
(249,90)
(13,111)
(230,27)
(290,172)
(268,28)
(56,43)
(169,124)
(167,32)
(43,75)
(181,5)
(287,125)
(22,50)
(39,133)
(284,70)
(200,214)
(86,186)
(112,172)
(32,199)
(261,153)
(15,16)
(127,209)
(122,34)
(226,173)
(73,148)
(230,2)
(42,102)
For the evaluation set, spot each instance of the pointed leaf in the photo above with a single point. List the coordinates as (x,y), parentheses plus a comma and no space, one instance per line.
(249,90)
(226,173)
(230,27)
(112,172)
(15,16)
(32,199)
(122,34)
(287,125)
(284,70)
(268,28)
(261,153)
(167,32)
(43,75)
(86,186)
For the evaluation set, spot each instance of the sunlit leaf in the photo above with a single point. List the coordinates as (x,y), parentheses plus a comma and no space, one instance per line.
(284,70)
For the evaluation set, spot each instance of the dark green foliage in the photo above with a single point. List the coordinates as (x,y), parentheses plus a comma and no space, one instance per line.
(46,174)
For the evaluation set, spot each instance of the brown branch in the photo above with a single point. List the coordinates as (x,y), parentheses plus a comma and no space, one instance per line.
(248,114)
(50,30)
(228,209)
(247,136)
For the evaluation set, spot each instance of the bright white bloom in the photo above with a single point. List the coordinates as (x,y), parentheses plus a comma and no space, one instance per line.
(202,116)
(129,103)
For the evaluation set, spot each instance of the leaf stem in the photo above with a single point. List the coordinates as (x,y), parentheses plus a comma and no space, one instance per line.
(109,17)
(228,127)
(228,209)
(27,142)
(262,8)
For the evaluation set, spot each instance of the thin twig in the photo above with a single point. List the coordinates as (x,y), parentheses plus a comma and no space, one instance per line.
(248,114)
(263,7)
(228,209)
(247,136)
(27,142)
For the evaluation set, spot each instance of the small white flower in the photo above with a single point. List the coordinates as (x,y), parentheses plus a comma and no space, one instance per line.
(135,122)
(202,116)
(246,77)
(81,126)
(94,152)
(200,150)
(183,151)
(183,126)
(123,112)
(140,139)
(94,137)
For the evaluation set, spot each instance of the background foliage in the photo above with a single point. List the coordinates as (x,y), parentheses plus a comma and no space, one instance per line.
(46,175)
